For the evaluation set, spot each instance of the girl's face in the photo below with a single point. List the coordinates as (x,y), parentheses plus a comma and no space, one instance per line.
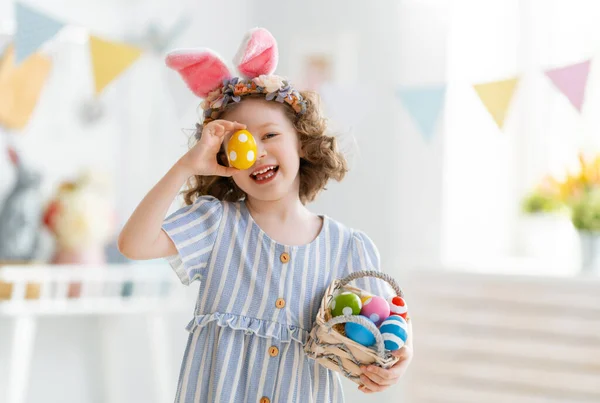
(274,174)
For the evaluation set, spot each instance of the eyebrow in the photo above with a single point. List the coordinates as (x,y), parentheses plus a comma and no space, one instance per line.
(266,125)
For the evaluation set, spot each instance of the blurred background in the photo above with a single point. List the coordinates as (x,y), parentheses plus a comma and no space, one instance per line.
(473,138)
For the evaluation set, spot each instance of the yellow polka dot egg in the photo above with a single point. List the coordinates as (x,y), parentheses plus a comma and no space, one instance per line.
(241,150)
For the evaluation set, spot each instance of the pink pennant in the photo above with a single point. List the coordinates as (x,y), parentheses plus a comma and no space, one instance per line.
(571,81)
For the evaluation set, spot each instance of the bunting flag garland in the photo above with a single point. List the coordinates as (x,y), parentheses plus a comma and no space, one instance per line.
(33,30)
(424,104)
(20,87)
(496,97)
(571,81)
(109,59)
(23,72)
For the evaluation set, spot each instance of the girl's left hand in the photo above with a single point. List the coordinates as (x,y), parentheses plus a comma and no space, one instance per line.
(376,379)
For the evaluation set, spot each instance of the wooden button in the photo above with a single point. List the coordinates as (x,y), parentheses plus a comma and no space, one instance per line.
(265,400)
(280,303)
(273,351)
(285,257)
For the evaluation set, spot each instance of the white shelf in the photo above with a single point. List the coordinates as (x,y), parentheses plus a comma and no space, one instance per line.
(119,289)
(28,292)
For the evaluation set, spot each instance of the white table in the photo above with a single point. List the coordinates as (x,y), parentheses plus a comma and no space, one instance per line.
(154,293)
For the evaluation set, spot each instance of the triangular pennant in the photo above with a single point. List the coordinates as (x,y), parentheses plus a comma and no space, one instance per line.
(496,97)
(33,29)
(571,81)
(20,87)
(109,59)
(424,104)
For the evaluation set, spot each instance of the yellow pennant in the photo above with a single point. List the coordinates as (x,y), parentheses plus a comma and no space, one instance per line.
(109,59)
(20,87)
(496,97)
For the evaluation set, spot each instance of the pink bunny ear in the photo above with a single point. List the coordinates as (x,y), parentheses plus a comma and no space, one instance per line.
(202,69)
(258,54)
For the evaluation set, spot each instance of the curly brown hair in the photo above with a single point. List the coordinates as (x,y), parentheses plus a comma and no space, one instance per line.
(321,161)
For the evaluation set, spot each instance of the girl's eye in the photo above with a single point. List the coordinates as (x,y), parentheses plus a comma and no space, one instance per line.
(270,135)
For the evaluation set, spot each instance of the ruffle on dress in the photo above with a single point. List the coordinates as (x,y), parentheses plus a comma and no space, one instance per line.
(260,327)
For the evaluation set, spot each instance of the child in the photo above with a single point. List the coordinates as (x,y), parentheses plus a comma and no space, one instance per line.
(264,260)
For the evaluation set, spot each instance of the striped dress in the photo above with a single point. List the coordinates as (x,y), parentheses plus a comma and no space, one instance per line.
(257,302)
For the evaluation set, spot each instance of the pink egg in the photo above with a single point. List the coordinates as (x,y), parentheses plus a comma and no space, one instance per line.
(397,306)
(377,309)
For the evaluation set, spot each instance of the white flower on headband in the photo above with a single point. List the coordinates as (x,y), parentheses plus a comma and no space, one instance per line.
(271,83)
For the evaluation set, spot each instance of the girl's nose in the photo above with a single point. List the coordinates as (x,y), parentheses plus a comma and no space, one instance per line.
(262,152)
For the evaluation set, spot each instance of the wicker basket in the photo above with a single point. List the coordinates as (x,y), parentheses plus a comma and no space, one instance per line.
(329,346)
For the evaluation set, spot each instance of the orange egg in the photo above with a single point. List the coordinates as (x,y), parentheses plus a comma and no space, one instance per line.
(241,150)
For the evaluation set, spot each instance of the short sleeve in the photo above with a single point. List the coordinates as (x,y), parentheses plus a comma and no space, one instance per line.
(364,256)
(193,229)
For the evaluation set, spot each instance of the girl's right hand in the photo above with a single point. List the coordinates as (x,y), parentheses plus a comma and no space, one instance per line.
(201,159)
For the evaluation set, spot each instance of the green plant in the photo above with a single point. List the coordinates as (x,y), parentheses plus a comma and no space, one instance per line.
(540,202)
(586,211)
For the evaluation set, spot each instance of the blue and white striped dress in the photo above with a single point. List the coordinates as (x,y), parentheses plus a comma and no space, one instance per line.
(257,302)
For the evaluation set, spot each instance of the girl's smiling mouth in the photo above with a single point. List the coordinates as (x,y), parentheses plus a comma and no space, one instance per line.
(264,173)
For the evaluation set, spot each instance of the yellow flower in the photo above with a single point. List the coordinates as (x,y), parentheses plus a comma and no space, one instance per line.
(574,185)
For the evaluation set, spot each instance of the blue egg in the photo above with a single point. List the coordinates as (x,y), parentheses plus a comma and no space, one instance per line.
(394,332)
(359,334)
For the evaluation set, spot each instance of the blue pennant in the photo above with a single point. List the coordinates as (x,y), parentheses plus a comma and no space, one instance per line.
(33,29)
(424,103)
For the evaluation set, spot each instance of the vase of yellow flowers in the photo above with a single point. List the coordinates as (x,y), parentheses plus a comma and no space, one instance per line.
(580,194)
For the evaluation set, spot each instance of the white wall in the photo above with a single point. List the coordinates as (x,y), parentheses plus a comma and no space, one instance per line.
(479,169)
(487,171)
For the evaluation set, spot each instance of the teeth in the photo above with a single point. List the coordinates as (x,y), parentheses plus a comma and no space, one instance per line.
(262,171)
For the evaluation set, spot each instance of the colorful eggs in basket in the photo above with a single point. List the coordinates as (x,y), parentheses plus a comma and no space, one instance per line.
(394,332)
(359,334)
(376,308)
(346,303)
(397,306)
(241,150)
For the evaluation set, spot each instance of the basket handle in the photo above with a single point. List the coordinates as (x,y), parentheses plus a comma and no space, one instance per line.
(361,320)
(372,273)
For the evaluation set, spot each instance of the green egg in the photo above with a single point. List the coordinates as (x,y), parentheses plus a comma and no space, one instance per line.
(346,303)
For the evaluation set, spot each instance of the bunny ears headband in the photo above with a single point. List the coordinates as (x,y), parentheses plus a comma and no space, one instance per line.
(207,76)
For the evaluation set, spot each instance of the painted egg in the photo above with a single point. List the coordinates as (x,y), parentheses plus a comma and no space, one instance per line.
(397,306)
(359,334)
(364,298)
(241,150)
(346,303)
(394,332)
(376,308)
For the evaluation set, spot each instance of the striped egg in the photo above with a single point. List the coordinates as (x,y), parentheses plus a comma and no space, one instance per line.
(397,306)
(394,332)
